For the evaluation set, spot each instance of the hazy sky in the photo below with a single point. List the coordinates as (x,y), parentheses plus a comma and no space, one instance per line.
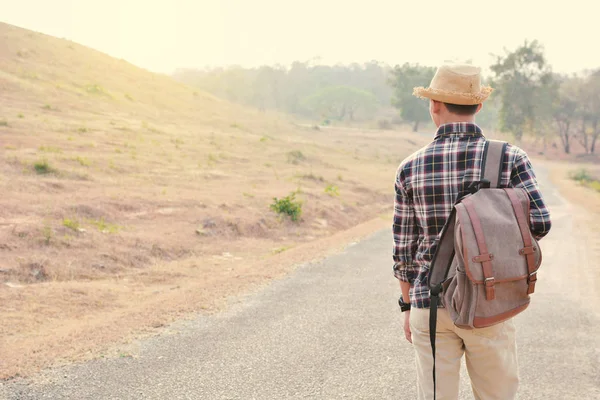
(163,35)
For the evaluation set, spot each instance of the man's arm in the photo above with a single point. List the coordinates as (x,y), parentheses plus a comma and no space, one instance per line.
(406,235)
(523,176)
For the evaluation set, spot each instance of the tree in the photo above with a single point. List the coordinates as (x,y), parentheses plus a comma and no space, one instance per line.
(589,111)
(404,78)
(341,101)
(524,82)
(564,111)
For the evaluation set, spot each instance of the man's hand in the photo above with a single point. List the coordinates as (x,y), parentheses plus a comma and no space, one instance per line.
(407,333)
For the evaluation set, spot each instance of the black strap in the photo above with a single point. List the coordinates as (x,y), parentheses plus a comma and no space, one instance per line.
(493,162)
(433,308)
(444,253)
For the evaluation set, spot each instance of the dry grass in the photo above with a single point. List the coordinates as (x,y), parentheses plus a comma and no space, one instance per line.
(129,199)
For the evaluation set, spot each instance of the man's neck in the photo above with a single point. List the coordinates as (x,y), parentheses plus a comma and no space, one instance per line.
(450,119)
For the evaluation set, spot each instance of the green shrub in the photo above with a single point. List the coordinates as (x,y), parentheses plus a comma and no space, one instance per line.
(97,90)
(581,175)
(288,206)
(295,157)
(47,233)
(42,167)
(72,224)
(332,190)
(82,161)
(3,122)
(103,226)
(21,116)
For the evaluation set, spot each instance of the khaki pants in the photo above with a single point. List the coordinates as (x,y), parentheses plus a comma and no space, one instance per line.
(491,358)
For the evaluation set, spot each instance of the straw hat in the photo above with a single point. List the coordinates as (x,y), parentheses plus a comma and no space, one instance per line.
(456,84)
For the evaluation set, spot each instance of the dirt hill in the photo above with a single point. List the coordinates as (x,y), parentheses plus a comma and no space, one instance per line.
(129,198)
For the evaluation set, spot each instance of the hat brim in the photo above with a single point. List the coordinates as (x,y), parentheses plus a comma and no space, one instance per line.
(445,96)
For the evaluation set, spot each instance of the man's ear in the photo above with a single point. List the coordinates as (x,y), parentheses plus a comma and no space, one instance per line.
(436,106)
(479,107)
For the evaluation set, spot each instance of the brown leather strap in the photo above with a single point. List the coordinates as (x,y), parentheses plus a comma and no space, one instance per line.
(528,251)
(484,257)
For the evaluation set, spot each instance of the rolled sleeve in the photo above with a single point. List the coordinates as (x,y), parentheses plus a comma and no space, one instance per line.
(406,235)
(523,176)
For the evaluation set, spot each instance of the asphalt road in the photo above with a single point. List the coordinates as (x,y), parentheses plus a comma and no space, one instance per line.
(332,330)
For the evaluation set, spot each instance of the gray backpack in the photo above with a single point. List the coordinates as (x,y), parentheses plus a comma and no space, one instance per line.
(486,260)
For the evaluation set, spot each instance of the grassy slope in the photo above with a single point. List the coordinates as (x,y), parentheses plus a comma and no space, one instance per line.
(151,186)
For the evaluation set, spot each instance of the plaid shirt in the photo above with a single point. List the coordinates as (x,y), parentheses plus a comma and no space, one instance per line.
(427,185)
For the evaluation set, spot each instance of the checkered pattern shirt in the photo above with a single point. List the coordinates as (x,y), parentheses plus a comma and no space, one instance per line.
(427,186)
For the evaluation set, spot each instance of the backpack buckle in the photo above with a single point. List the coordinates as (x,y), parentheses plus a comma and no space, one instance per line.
(490,291)
(531,279)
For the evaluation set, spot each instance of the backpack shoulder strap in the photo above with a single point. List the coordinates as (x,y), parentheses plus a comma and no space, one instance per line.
(493,161)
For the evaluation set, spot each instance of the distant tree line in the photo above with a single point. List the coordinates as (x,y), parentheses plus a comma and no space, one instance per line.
(529,98)
(352,92)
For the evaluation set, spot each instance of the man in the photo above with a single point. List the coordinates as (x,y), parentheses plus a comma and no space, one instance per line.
(427,185)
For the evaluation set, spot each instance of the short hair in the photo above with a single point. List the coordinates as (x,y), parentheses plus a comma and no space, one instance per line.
(460,109)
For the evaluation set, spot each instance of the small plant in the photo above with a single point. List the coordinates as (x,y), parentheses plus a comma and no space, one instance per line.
(234,125)
(340,177)
(103,226)
(178,142)
(47,107)
(249,195)
(295,157)
(72,224)
(47,233)
(128,97)
(212,159)
(97,90)
(82,129)
(288,206)
(581,175)
(332,190)
(42,167)
(264,139)
(82,161)
(20,115)
(3,122)
(279,250)
(49,149)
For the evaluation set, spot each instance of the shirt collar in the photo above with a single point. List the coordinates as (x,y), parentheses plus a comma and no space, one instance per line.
(463,128)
